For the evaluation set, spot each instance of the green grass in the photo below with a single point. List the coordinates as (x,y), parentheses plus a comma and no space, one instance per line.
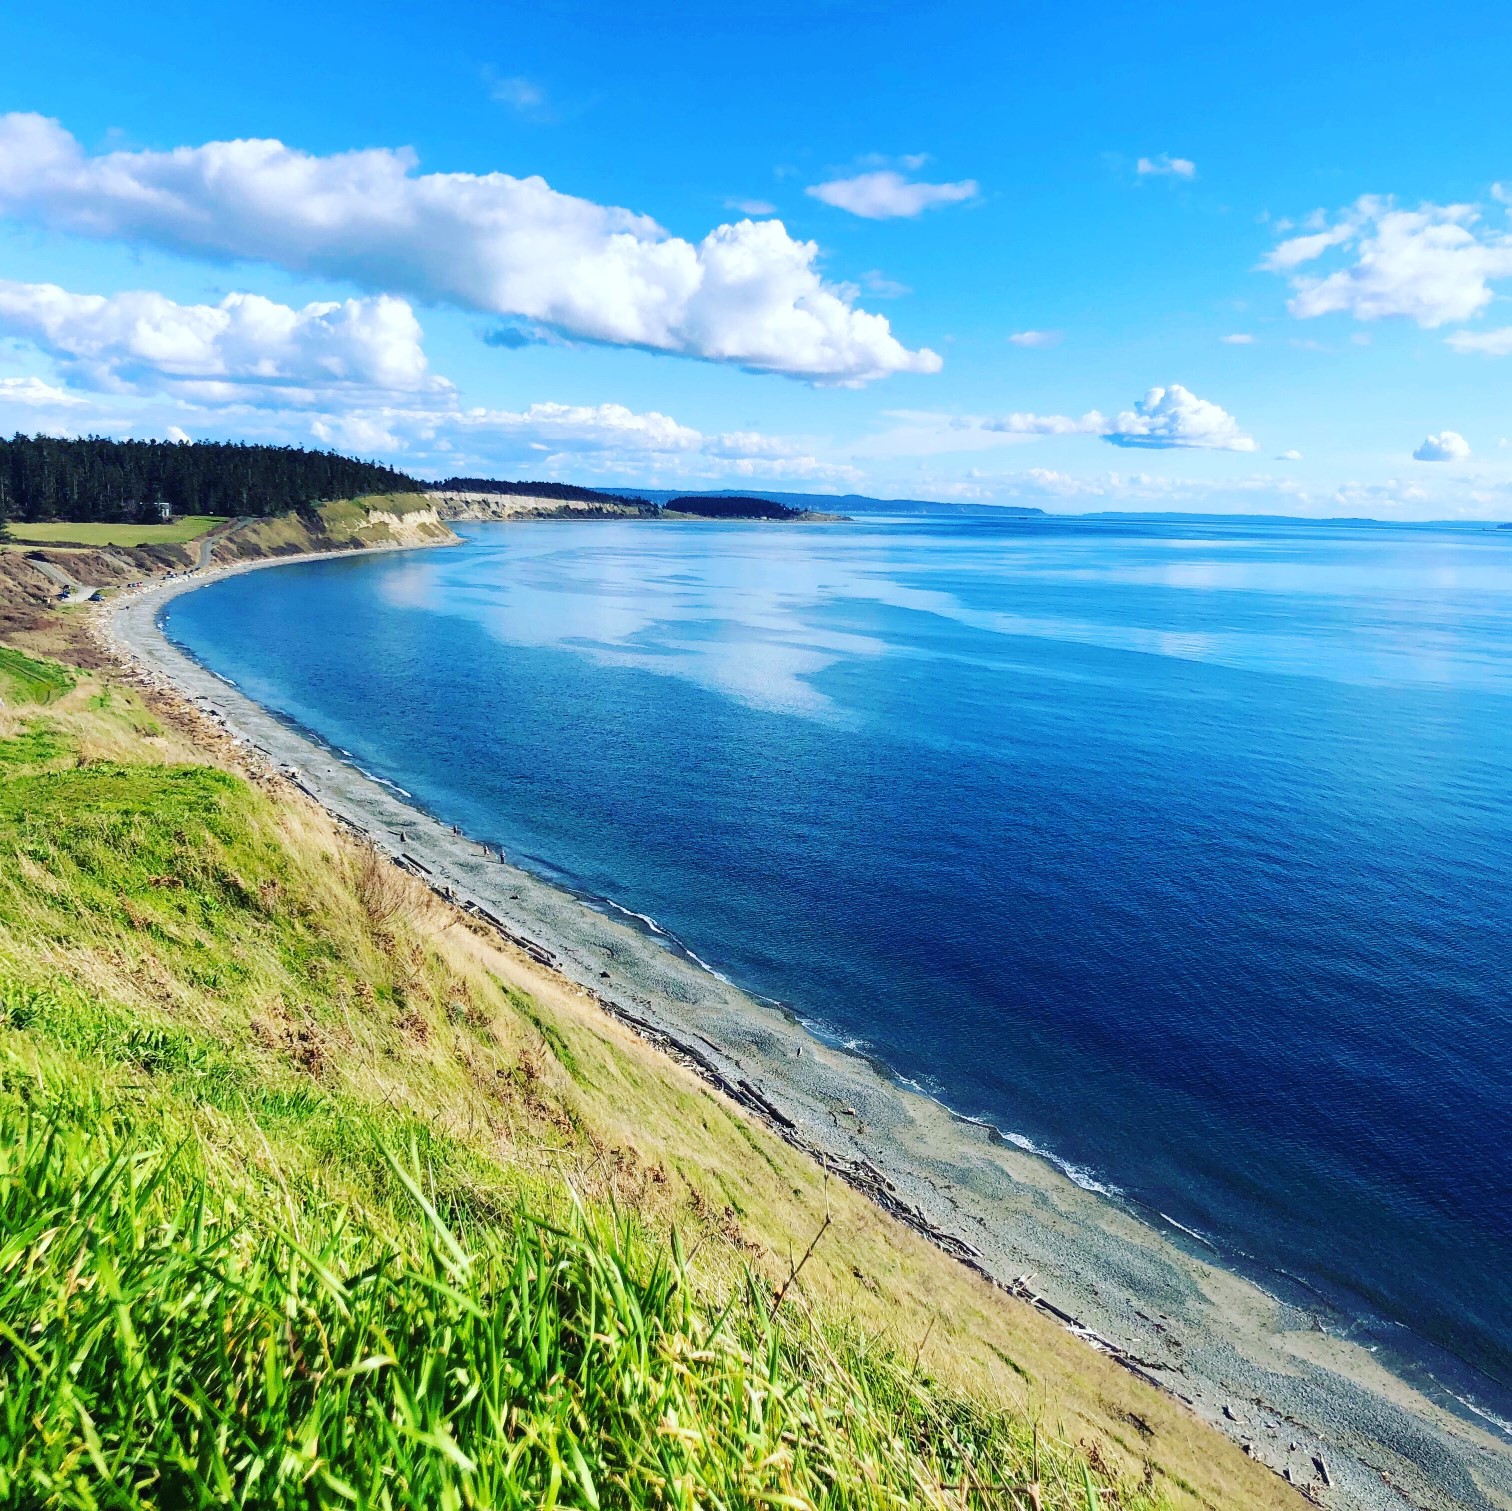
(169,1342)
(25,679)
(60,532)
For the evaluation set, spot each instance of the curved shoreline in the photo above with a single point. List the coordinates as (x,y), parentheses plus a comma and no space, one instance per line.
(1196,1329)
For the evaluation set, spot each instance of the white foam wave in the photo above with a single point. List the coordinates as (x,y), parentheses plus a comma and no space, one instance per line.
(1190,1232)
(1078,1174)
(645,918)
(1500,1423)
(382,781)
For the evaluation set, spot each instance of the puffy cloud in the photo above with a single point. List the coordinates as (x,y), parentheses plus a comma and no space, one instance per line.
(1036,338)
(1166,166)
(1165,419)
(1497,343)
(748,293)
(1290,456)
(887,195)
(581,427)
(35,393)
(1446,446)
(1174,417)
(144,342)
(1433,265)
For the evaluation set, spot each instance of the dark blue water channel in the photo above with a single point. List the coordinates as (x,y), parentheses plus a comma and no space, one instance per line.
(1180,851)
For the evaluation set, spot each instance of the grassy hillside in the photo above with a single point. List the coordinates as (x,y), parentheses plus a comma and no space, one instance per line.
(381,519)
(311,1194)
(175,533)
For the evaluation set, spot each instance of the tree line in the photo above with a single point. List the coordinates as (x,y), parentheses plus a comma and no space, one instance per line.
(52,478)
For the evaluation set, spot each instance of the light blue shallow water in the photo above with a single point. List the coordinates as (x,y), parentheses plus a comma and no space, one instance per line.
(1183,852)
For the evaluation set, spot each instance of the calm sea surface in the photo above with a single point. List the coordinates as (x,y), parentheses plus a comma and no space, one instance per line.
(1181,852)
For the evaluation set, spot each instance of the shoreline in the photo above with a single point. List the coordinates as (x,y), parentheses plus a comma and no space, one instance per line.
(1259,1368)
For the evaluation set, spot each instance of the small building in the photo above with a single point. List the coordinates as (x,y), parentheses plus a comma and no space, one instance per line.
(160,510)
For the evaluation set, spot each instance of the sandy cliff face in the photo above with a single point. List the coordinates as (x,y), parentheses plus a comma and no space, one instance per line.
(403,519)
(523,506)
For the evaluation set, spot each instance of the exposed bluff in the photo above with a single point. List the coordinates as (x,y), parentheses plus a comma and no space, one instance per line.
(399,519)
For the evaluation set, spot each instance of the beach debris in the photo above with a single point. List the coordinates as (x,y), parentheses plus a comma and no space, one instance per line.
(1321,1465)
(1229,1412)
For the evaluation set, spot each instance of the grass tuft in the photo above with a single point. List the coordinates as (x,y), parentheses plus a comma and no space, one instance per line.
(167,1341)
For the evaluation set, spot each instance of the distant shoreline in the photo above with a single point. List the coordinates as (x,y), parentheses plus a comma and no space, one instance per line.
(997,1208)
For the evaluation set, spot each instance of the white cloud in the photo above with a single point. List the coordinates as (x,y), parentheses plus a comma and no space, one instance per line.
(887,195)
(582,427)
(748,293)
(1174,417)
(1433,265)
(141,342)
(1165,419)
(1166,166)
(751,206)
(1036,338)
(34,393)
(571,440)
(1090,423)
(1497,343)
(1446,446)
(1290,456)
(178,435)
(1239,338)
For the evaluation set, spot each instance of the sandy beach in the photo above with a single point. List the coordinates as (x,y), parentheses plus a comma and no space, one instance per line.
(1283,1379)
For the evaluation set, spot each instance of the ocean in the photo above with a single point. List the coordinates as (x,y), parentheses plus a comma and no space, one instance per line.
(1179,851)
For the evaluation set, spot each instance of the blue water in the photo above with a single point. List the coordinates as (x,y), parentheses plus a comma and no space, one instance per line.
(1180,851)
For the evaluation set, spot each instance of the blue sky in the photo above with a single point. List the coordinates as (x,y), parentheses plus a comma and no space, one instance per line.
(1256,262)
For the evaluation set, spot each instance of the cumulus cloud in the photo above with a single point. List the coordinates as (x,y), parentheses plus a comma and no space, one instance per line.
(1166,166)
(1497,343)
(1175,418)
(34,393)
(887,195)
(747,294)
(1433,265)
(1036,338)
(143,342)
(1165,419)
(583,427)
(1446,446)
